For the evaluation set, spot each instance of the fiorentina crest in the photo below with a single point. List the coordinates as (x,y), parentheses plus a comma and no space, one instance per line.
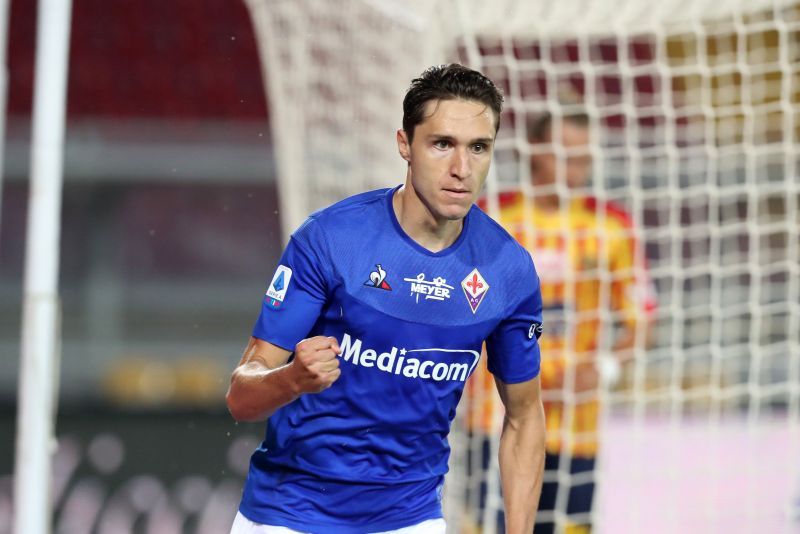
(475,288)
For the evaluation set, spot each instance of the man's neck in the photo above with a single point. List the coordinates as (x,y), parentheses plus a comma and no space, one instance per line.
(420,225)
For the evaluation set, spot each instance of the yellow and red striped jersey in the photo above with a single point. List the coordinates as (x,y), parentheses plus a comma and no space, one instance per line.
(585,256)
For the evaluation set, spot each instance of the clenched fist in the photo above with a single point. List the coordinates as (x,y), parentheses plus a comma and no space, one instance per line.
(315,366)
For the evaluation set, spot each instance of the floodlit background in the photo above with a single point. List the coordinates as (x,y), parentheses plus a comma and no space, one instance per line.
(177,200)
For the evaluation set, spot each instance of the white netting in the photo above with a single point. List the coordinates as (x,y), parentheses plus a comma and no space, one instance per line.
(693,109)
(331,117)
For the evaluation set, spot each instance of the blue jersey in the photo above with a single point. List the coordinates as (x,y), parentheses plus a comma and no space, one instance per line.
(369,453)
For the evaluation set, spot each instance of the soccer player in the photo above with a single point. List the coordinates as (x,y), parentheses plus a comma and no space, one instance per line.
(585,252)
(373,321)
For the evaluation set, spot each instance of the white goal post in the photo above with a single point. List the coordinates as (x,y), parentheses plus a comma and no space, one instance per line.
(41,339)
(693,108)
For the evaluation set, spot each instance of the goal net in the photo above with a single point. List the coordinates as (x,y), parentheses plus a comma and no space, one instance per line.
(691,129)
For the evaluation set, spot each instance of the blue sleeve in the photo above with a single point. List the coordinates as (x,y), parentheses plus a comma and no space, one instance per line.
(298,290)
(513,347)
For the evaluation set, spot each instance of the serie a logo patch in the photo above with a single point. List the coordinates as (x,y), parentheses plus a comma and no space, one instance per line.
(277,288)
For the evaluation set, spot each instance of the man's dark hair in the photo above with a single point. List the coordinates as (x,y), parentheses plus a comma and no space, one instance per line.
(538,127)
(448,82)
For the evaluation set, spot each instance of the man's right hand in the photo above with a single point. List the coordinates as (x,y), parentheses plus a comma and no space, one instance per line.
(315,365)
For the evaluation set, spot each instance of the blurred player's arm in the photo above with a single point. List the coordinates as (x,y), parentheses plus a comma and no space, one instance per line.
(521,453)
(633,298)
(264,381)
(636,301)
(630,331)
(554,371)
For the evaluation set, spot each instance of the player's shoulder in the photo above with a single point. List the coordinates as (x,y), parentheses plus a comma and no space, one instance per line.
(344,216)
(351,206)
(508,264)
(509,202)
(495,241)
(613,212)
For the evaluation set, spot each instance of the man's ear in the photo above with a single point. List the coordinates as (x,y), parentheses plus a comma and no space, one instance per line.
(403,145)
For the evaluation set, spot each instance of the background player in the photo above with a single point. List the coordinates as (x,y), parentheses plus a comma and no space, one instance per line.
(585,253)
(386,299)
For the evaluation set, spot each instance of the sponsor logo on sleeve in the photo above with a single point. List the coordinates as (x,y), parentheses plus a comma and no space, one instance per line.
(536,329)
(276,292)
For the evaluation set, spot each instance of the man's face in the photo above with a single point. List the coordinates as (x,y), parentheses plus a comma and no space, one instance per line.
(573,143)
(450,155)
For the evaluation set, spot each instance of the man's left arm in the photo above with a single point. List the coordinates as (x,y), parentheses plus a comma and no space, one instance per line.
(521,453)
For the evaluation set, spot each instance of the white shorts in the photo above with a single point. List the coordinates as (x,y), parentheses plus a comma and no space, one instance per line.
(242,525)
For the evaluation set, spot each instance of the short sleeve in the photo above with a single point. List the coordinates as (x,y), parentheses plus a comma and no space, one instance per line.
(298,291)
(513,347)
